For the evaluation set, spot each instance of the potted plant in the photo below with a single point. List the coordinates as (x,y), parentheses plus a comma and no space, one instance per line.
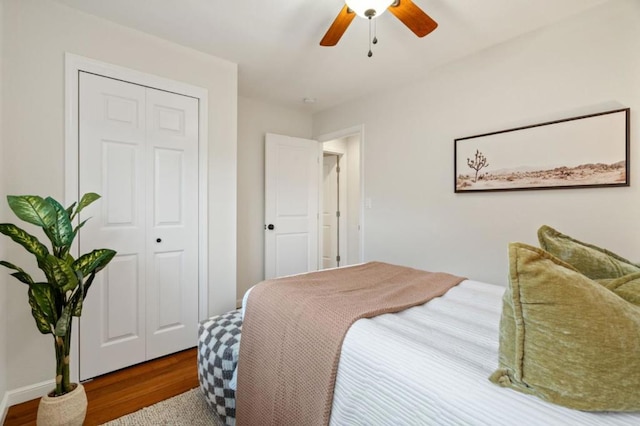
(56,300)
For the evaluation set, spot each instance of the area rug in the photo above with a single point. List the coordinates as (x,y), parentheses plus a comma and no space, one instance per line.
(188,409)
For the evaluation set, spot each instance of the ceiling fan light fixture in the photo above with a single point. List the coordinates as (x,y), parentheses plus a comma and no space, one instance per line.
(406,11)
(363,8)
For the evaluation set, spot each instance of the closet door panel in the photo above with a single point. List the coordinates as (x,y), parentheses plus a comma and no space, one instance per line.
(112,150)
(172,217)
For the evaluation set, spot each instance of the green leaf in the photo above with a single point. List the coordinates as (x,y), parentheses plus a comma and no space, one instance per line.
(62,326)
(43,308)
(26,240)
(61,233)
(87,285)
(33,209)
(86,199)
(59,273)
(94,261)
(77,228)
(69,259)
(77,301)
(21,275)
(70,209)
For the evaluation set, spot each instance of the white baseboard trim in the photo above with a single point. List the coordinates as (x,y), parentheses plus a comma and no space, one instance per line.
(27,393)
(4,407)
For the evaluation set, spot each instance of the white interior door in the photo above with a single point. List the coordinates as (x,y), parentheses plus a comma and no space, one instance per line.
(138,149)
(292,178)
(330,211)
(172,222)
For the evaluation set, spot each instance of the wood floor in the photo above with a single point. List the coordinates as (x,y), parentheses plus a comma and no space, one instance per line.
(122,392)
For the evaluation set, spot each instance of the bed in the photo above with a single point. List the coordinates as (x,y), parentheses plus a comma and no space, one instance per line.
(429,364)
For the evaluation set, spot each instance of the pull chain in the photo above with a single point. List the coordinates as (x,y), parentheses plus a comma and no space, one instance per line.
(375,39)
(370,54)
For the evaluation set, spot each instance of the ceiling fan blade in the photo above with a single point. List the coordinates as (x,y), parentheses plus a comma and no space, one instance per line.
(338,27)
(413,17)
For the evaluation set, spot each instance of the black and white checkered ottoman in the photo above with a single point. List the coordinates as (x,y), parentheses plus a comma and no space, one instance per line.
(218,345)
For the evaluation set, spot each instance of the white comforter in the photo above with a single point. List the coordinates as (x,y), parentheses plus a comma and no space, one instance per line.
(429,365)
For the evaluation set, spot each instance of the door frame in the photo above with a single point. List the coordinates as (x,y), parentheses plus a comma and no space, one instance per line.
(74,64)
(341,223)
(339,134)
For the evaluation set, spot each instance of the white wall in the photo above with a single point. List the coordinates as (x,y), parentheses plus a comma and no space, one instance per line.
(587,63)
(37,34)
(3,275)
(255,118)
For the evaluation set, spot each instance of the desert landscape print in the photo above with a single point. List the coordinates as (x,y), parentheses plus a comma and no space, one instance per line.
(581,152)
(584,174)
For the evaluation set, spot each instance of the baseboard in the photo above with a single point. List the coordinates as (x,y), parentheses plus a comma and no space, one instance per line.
(27,393)
(239,303)
(4,407)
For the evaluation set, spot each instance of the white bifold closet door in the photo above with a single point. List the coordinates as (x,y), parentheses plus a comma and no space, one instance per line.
(138,149)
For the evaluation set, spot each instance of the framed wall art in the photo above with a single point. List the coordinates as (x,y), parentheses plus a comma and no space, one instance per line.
(579,152)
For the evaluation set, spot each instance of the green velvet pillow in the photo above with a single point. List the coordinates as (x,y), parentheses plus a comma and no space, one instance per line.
(566,338)
(592,261)
(627,287)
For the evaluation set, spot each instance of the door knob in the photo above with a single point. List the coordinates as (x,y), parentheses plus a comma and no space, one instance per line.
(158,240)
(270,227)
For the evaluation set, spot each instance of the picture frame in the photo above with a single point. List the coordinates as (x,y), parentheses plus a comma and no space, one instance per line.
(579,152)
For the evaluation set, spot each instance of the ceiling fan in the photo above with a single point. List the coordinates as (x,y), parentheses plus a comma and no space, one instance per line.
(405,10)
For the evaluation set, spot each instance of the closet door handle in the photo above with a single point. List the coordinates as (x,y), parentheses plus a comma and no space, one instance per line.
(158,240)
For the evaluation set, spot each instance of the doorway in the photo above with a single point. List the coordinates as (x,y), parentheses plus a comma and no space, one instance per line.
(294,190)
(330,227)
(344,236)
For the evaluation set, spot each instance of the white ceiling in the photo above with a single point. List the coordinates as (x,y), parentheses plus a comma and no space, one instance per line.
(276,42)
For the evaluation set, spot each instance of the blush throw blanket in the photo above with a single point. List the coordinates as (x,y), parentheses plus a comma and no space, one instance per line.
(293,331)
